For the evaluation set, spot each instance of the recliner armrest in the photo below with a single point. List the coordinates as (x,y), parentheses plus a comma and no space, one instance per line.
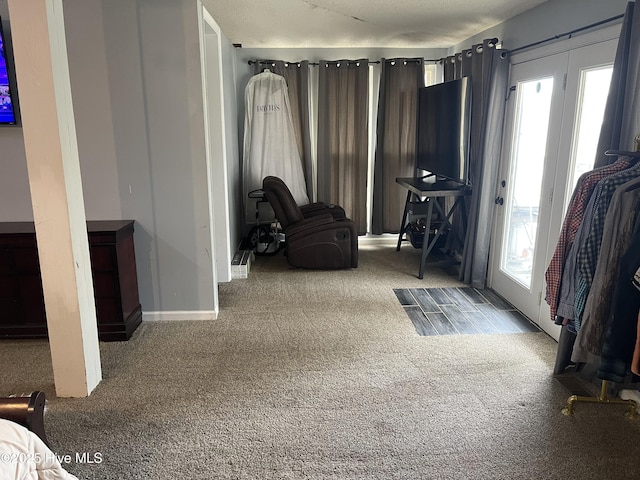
(313,207)
(309,223)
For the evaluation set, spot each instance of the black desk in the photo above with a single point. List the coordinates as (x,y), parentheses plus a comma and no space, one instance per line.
(421,206)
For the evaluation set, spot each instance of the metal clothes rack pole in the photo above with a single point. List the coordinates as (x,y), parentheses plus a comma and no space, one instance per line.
(603,398)
(632,413)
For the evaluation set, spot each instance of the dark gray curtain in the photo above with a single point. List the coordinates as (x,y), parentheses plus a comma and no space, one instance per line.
(488,68)
(396,139)
(296,74)
(343,138)
(621,121)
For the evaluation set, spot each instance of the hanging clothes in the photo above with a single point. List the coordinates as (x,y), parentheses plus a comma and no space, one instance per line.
(270,146)
(588,219)
(587,256)
(617,236)
(570,275)
(619,345)
(571,224)
(635,360)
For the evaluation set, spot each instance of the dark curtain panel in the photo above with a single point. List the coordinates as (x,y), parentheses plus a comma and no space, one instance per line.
(489,72)
(342,137)
(296,74)
(621,121)
(396,139)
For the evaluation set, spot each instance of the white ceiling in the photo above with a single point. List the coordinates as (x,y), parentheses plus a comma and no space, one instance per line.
(359,23)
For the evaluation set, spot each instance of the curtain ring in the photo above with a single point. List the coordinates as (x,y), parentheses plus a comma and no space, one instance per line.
(469,53)
(479,49)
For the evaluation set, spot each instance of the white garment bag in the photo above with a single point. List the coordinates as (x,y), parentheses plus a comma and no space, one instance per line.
(270,146)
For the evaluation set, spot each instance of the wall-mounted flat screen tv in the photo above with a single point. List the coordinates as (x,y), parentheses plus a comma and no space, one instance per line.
(7,106)
(444,119)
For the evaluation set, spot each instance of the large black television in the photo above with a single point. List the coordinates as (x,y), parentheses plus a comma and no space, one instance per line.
(444,119)
(8,112)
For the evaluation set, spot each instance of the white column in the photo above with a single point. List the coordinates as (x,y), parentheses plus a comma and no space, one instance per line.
(48,125)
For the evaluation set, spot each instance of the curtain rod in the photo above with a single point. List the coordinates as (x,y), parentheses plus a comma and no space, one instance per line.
(524,47)
(315,64)
(560,35)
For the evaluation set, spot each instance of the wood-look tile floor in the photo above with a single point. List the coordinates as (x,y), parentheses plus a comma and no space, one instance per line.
(466,310)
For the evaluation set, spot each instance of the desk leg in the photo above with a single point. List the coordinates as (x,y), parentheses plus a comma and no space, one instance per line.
(426,248)
(404,219)
(447,216)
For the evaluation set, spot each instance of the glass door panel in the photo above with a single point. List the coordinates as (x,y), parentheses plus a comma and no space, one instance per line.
(532,135)
(533,106)
(592,98)
(554,116)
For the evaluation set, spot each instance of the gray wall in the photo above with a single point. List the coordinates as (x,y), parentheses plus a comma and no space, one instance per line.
(15,196)
(547,20)
(92,105)
(137,93)
(179,253)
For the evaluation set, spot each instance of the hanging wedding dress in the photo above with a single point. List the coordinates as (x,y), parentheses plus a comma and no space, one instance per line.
(270,146)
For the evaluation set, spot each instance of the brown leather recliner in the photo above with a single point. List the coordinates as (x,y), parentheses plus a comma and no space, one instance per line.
(318,240)
(312,209)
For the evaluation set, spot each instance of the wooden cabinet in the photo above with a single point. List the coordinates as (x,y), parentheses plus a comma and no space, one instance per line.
(115,281)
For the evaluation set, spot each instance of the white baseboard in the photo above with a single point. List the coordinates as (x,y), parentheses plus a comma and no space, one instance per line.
(178,315)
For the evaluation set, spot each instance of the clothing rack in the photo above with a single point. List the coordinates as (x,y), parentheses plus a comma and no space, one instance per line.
(603,398)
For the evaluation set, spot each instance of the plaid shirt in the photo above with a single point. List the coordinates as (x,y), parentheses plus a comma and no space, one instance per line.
(572,220)
(589,250)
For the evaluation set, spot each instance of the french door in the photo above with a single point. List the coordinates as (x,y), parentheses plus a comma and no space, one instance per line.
(554,114)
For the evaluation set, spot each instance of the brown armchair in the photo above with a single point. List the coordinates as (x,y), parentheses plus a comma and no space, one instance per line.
(315,240)
(311,209)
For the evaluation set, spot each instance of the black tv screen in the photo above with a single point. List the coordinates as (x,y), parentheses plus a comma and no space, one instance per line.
(7,110)
(444,118)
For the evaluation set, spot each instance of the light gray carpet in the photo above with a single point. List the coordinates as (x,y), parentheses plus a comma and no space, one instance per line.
(322,375)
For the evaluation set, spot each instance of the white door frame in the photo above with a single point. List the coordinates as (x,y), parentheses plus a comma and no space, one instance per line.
(528,299)
(557,202)
(215,148)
